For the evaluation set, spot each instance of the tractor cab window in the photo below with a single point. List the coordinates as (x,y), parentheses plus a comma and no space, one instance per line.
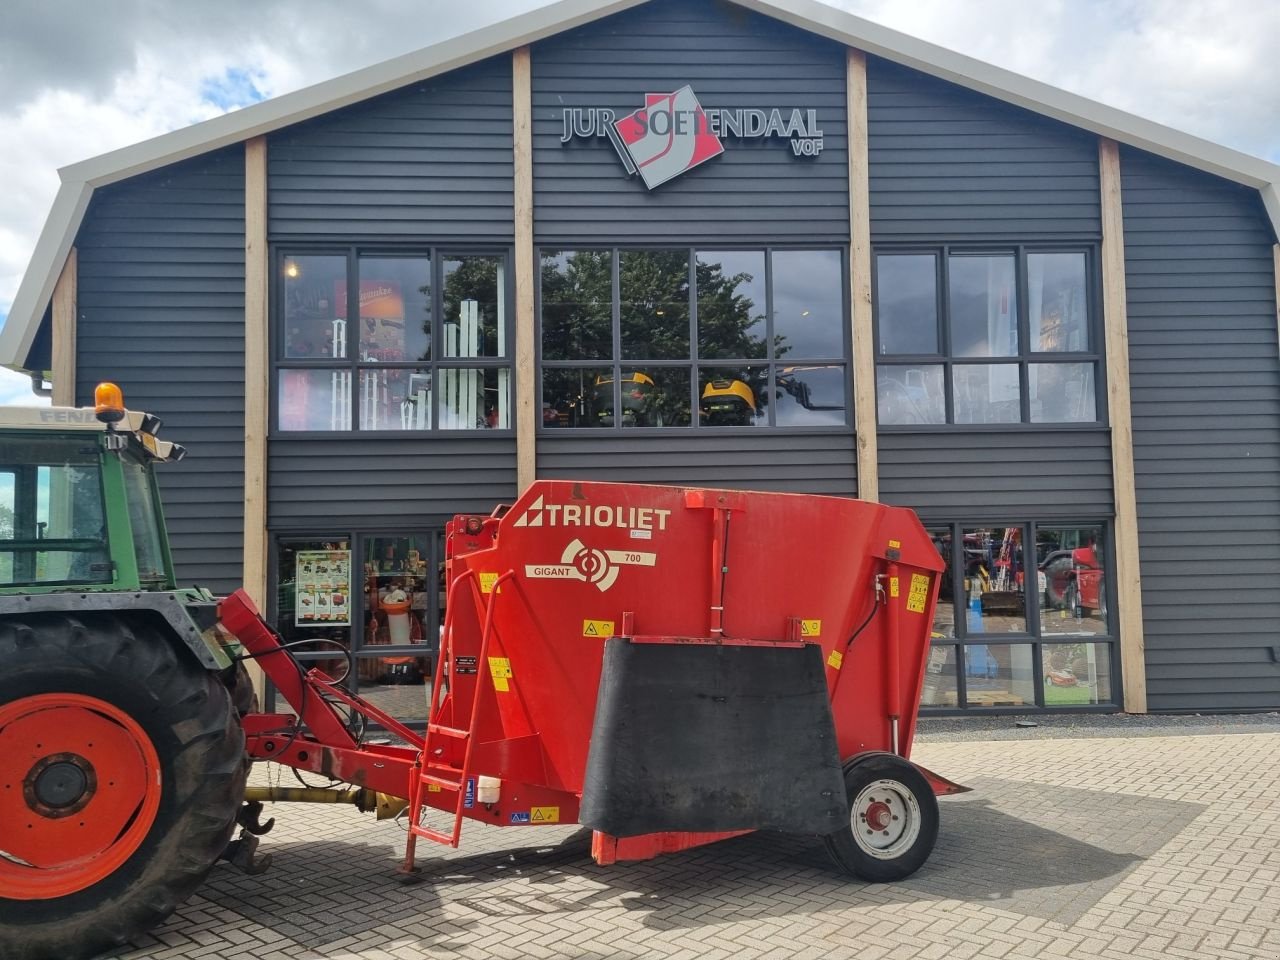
(144,520)
(52,519)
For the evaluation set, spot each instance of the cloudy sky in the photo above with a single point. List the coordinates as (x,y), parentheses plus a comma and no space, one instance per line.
(78,78)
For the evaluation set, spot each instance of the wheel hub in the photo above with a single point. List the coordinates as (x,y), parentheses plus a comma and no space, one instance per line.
(59,785)
(885,817)
(878,815)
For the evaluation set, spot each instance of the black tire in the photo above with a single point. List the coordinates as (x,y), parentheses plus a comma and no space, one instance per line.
(240,685)
(908,838)
(1071,601)
(186,713)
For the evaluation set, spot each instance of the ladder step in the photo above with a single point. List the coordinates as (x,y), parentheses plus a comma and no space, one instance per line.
(436,836)
(441,781)
(455,732)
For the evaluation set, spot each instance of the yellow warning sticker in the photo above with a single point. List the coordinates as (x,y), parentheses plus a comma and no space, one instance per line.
(836,660)
(893,586)
(597,628)
(487,580)
(810,628)
(544,814)
(895,544)
(433,788)
(919,595)
(500,670)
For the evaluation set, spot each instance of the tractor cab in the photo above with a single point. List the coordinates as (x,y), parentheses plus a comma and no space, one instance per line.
(79,507)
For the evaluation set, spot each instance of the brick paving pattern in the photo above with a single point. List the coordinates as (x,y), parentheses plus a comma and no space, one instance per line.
(1098,847)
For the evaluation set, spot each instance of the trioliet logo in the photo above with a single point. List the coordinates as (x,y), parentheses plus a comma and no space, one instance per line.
(672,133)
(585,515)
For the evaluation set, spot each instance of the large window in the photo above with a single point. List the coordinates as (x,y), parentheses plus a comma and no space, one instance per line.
(392,341)
(693,338)
(985,337)
(1019,627)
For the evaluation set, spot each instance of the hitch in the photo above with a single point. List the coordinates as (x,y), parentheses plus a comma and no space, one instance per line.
(242,853)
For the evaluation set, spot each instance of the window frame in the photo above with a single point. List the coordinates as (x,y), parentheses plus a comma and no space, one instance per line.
(693,363)
(353,252)
(1025,357)
(1034,636)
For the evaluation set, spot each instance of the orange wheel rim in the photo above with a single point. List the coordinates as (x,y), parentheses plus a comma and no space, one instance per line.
(80,785)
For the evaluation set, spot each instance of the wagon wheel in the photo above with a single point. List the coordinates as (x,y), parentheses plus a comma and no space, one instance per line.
(122,768)
(893,819)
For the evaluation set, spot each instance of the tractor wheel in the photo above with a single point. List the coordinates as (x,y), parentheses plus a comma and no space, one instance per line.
(122,767)
(240,686)
(893,820)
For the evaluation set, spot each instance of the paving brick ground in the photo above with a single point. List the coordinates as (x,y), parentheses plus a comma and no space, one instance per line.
(1093,846)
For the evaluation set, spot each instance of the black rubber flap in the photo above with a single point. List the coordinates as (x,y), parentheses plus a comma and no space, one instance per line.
(701,737)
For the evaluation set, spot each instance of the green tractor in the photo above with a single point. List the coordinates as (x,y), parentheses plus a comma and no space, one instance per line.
(122,762)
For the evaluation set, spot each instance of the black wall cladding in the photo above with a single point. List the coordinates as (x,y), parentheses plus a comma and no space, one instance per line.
(432,161)
(1205,380)
(755,191)
(161,312)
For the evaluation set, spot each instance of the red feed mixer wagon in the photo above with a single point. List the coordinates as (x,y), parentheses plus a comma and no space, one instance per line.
(666,666)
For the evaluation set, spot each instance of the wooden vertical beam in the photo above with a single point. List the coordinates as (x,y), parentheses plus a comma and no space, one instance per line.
(864,351)
(526,375)
(1128,577)
(256,365)
(63,361)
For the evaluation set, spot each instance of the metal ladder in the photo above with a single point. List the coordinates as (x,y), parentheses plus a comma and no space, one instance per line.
(439,776)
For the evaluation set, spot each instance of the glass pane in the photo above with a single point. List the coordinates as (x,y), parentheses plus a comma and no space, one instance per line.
(577,305)
(940,685)
(577,398)
(654,289)
(1073,581)
(1062,392)
(51,489)
(986,393)
(993,580)
(907,302)
(395,308)
(144,523)
(396,684)
(396,399)
(731,304)
(808,304)
(315,309)
(999,675)
(811,396)
(984,306)
(906,395)
(475,399)
(475,307)
(944,617)
(1057,301)
(1076,674)
(396,591)
(314,400)
(313,599)
(733,396)
(655,398)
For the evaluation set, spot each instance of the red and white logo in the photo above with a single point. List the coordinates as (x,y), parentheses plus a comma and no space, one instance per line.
(668,136)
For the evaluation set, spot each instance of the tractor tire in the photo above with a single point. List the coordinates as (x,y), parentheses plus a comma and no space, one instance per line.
(122,768)
(240,686)
(893,820)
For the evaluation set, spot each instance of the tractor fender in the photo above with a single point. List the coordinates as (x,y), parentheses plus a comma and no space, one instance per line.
(170,607)
(942,787)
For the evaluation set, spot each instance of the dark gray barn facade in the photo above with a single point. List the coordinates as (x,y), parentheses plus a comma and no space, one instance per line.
(701,331)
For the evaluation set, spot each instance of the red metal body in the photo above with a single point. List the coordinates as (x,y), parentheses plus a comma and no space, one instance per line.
(535,592)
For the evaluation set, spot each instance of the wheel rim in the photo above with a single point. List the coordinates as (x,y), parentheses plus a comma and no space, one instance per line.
(885,819)
(80,786)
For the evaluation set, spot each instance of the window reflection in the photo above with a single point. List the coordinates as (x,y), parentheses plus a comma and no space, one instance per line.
(577,397)
(986,393)
(1073,582)
(475,309)
(733,396)
(654,308)
(993,580)
(577,305)
(656,397)
(314,400)
(907,303)
(474,398)
(940,688)
(984,306)
(810,396)
(731,304)
(910,394)
(999,675)
(944,617)
(808,304)
(315,309)
(1061,392)
(1057,301)
(1076,674)
(395,308)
